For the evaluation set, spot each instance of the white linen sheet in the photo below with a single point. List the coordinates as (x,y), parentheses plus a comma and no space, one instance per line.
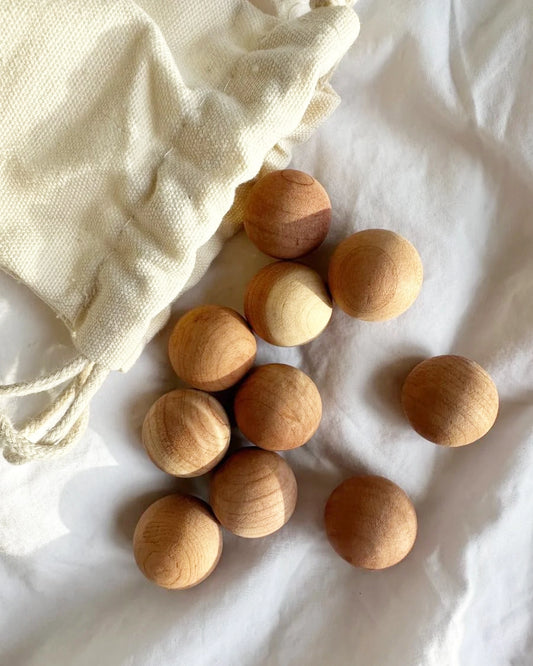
(433,139)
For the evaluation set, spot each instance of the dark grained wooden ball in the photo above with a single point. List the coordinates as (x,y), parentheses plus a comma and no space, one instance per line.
(288,214)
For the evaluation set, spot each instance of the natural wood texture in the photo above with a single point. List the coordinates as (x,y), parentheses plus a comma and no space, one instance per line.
(450,400)
(253,493)
(288,214)
(211,347)
(177,542)
(287,304)
(370,522)
(278,407)
(186,432)
(375,275)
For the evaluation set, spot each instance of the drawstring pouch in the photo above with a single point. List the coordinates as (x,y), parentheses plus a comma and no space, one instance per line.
(129,135)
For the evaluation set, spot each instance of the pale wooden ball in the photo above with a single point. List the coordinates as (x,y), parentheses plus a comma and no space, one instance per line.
(177,542)
(375,275)
(211,347)
(287,304)
(278,407)
(370,522)
(288,214)
(186,432)
(253,493)
(450,400)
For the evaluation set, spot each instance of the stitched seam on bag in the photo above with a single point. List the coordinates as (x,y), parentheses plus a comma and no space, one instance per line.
(91,292)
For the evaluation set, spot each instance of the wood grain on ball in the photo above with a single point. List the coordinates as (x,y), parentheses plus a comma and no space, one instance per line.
(288,214)
(253,493)
(211,348)
(278,407)
(375,275)
(370,522)
(450,400)
(177,542)
(287,304)
(186,432)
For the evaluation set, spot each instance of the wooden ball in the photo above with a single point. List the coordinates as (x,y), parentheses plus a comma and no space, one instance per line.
(177,542)
(278,407)
(287,304)
(186,432)
(375,275)
(253,493)
(288,214)
(370,522)
(211,347)
(450,400)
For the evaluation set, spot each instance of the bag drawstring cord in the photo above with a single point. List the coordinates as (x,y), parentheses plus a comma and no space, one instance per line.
(85,377)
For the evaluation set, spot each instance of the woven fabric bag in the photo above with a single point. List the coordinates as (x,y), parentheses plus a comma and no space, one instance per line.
(129,134)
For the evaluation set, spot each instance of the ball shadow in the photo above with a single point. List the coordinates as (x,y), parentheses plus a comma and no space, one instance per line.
(385,384)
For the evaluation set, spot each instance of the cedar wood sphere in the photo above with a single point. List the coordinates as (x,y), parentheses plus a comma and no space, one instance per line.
(287,304)
(211,347)
(375,275)
(288,214)
(370,522)
(177,542)
(278,407)
(186,432)
(450,400)
(253,493)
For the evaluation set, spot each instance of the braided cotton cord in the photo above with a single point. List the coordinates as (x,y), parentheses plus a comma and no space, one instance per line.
(58,406)
(80,403)
(19,450)
(86,378)
(52,380)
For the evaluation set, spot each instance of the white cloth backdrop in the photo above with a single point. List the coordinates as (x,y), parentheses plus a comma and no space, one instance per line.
(434,139)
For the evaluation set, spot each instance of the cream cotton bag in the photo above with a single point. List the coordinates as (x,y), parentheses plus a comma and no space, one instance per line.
(128,134)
